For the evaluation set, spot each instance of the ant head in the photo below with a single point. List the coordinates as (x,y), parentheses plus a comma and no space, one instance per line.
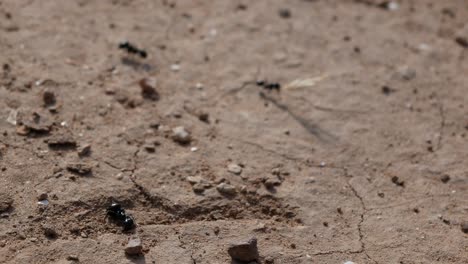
(123,44)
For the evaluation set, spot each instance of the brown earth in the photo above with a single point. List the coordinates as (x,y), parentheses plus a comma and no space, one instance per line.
(361,156)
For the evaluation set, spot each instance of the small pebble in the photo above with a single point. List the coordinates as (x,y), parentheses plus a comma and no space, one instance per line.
(148,88)
(194,179)
(84,150)
(464,227)
(227,189)
(245,251)
(175,67)
(234,168)
(445,178)
(73,258)
(134,247)
(43,202)
(48,98)
(284,13)
(42,196)
(181,135)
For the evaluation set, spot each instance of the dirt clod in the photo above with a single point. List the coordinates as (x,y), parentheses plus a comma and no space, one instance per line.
(148,88)
(61,140)
(49,99)
(5,202)
(50,231)
(245,251)
(79,168)
(445,178)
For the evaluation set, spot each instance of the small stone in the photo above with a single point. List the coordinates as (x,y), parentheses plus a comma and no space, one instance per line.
(348,262)
(79,168)
(12,116)
(227,189)
(73,258)
(110,91)
(148,88)
(42,196)
(175,67)
(198,188)
(49,99)
(194,179)
(271,182)
(244,251)
(5,202)
(464,227)
(406,73)
(284,13)
(204,117)
(151,148)
(134,247)
(387,90)
(181,135)
(445,178)
(49,231)
(83,235)
(22,130)
(234,168)
(43,203)
(84,150)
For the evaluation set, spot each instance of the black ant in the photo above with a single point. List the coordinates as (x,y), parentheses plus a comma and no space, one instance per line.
(117,213)
(269,86)
(132,49)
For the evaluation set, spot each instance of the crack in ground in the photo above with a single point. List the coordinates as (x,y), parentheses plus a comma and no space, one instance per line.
(442,124)
(182,246)
(362,215)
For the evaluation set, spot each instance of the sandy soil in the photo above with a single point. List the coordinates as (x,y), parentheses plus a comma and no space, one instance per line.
(361,156)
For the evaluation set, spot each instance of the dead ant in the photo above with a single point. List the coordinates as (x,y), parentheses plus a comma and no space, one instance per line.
(130,48)
(117,213)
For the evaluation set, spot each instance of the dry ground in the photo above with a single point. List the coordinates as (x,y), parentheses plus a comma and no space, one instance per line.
(369,160)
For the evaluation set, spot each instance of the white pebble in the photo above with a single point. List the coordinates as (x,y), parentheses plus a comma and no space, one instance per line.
(43,202)
(193,149)
(393,6)
(349,262)
(175,67)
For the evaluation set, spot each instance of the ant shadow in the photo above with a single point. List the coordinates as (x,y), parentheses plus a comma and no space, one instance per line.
(140,259)
(135,64)
(240,262)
